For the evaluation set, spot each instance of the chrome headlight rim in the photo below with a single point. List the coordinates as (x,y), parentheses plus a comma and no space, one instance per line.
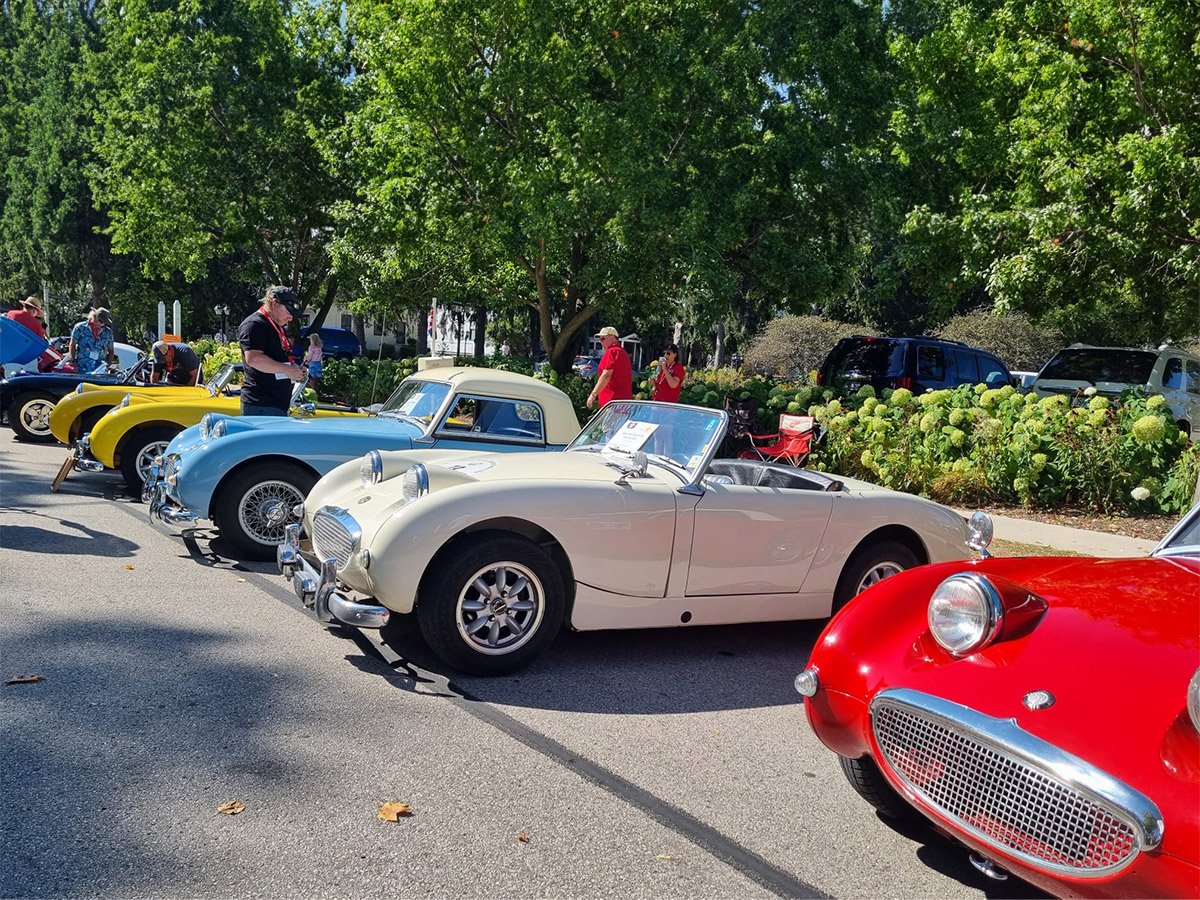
(370,470)
(1193,700)
(212,426)
(988,613)
(414,484)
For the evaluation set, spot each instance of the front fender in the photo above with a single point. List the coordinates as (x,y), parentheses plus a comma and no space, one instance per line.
(115,428)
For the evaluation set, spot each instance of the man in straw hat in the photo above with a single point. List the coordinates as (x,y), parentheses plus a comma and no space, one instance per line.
(616,371)
(30,315)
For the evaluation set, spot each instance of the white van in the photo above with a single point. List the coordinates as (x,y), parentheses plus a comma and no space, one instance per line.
(1169,371)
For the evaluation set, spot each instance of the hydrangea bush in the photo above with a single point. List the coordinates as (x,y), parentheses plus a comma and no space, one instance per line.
(975,445)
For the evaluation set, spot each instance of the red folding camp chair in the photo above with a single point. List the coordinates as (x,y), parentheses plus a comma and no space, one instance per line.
(791,445)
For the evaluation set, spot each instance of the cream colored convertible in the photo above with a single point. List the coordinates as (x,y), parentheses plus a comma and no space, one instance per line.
(635,525)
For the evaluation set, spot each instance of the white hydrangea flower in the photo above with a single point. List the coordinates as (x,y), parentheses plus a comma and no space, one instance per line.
(1140,493)
(1089,392)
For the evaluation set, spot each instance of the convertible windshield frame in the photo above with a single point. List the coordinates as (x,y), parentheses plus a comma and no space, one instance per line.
(427,426)
(1183,539)
(658,414)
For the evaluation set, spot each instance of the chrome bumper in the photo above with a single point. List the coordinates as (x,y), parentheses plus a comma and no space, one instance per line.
(318,590)
(82,460)
(161,506)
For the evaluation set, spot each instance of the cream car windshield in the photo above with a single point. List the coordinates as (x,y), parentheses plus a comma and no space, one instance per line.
(418,400)
(668,433)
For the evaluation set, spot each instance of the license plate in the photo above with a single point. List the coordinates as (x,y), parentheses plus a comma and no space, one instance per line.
(63,471)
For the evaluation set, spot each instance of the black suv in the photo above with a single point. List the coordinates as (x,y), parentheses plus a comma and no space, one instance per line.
(917,363)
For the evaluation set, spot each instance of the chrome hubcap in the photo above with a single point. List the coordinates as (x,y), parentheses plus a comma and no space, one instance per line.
(266,509)
(879,572)
(500,608)
(35,415)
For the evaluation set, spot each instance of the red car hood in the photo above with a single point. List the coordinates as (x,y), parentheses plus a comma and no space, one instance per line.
(1116,647)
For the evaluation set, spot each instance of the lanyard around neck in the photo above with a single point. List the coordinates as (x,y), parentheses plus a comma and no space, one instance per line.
(278,329)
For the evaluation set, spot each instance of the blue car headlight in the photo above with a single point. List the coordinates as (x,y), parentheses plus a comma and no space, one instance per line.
(212,426)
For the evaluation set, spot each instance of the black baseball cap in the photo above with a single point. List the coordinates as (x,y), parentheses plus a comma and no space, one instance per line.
(281,293)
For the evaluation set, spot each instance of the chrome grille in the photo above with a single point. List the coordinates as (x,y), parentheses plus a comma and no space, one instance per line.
(335,535)
(1003,787)
(170,465)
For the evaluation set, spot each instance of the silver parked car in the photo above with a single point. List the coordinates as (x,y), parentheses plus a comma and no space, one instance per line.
(1169,371)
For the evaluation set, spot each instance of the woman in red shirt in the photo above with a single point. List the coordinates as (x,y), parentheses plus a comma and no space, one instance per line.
(668,381)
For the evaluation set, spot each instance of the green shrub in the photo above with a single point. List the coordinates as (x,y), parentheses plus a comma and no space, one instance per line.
(213,356)
(1013,337)
(793,346)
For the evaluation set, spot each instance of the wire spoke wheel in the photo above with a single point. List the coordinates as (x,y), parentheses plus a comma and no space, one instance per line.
(266,509)
(500,608)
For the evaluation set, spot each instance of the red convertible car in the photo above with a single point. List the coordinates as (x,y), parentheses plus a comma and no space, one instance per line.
(1043,712)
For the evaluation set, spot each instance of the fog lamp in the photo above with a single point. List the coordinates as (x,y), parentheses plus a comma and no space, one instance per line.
(807,683)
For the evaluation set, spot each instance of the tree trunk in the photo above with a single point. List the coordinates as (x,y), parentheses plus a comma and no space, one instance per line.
(481,318)
(326,304)
(719,352)
(356,323)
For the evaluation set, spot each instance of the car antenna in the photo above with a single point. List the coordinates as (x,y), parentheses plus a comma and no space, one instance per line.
(378,359)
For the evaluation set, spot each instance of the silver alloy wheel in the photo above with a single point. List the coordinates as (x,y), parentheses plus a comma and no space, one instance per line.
(881,570)
(266,509)
(35,415)
(146,457)
(500,608)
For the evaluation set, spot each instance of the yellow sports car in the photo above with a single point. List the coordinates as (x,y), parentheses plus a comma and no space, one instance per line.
(131,435)
(77,413)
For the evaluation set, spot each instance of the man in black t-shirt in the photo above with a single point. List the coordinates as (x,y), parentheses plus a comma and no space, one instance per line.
(267,388)
(178,362)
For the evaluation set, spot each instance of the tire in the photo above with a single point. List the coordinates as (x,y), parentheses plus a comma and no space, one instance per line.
(870,564)
(139,451)
(510,636)
(868,782)
(87,421)
(254,506)
(29,416)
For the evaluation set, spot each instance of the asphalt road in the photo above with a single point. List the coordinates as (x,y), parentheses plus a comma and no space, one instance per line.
(636,764)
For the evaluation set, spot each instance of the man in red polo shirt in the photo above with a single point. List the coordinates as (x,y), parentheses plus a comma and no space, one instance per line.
(616,371)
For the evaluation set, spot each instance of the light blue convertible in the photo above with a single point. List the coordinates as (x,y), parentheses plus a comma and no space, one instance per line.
(248,473)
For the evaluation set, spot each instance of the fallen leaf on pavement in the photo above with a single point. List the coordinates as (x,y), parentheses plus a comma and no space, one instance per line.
(128,567)
(523,838)
(24,679)
(240,580)
(665,856)
(393,812)
(231,807)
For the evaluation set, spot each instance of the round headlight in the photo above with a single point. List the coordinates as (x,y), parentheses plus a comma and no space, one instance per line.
(217,429)
(125,401)
(415,483)
(212,426)
(1193,700)
(965,613)
(206,425)
(371,469)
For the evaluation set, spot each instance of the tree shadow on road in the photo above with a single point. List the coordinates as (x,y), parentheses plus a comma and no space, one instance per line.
(59,540)
(113,781)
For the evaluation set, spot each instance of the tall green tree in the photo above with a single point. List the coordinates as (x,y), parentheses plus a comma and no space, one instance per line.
(50,228)
(1060,147)
(209,112)
(615,157)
